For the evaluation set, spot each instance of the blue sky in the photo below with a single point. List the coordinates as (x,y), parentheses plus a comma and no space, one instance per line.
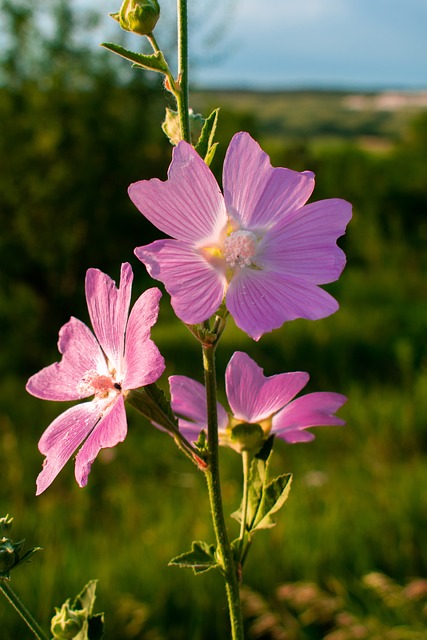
(321,43)
(301,43)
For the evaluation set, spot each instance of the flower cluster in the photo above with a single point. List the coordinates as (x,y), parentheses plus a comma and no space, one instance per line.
(258,248)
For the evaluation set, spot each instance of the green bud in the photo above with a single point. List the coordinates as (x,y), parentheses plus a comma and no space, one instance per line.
(9,555)
(247,437)
(67,622)
(138,16)
(6,523)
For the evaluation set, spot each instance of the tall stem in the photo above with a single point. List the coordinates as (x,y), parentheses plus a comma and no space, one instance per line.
(22,610)
(215,497)
(182,96)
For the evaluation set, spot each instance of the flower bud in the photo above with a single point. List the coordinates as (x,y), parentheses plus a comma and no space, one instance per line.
(67,622)
(138,16)
(9,554)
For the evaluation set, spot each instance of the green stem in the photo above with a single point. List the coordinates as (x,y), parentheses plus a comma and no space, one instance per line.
(215,497)
(182,96)
(22,610)
(246,461)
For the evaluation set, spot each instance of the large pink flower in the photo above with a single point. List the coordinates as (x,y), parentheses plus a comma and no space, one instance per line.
(256,399)
(258,245)
(121,357)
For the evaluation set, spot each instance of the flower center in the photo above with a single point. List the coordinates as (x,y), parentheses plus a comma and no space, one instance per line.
(240,248)
(99,385)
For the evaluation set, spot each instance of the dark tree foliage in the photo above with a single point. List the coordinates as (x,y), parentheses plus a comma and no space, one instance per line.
(72,139)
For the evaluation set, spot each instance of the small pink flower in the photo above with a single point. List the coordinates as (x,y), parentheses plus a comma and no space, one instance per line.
(120,356)
(256,399)
(259,245)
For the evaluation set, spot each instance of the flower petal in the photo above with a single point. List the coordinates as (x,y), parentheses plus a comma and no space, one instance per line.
(80,353)
(195,286)
(189,206)
(62,438)
(261,301)
(254,397)
(256,194)
(143,362)
(188,400)
(312,410)
(304,244)
(110,430)
(108,309)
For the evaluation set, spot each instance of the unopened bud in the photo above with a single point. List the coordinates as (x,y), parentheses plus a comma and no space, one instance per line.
(9,554)
(67,622)
(138,16)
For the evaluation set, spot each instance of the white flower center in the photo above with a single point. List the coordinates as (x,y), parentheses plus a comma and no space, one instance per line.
(240,248)
(99,385)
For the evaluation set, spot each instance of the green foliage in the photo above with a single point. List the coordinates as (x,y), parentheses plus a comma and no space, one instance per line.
(201,558)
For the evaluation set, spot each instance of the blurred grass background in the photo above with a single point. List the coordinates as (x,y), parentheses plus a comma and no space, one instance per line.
(75,129)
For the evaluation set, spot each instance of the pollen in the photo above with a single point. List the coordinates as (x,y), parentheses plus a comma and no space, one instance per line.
(240,248)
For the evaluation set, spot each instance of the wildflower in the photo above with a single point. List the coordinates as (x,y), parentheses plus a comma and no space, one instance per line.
(254,399)
(258,246)
(120,356)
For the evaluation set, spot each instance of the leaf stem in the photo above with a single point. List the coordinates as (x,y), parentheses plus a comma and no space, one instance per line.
(246,462)
(182,95)
(212,473)
(21,609)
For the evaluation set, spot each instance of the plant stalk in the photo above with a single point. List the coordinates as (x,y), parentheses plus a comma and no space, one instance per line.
(182,95)
(215,497)
(22,610)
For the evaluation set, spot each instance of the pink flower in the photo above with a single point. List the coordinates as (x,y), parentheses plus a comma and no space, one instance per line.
(259,245)
(256,399)
(119,357)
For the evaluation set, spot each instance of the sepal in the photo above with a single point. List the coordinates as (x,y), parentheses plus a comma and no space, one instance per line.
(206,146)
(10,551)
(201,558)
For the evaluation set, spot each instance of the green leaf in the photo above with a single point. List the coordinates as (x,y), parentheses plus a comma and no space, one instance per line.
(205,146)
(274,497)
(154,62)
(201,557)
(152,403)
(86,598)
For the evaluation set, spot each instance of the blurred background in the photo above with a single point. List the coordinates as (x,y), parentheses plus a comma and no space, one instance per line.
(77,126)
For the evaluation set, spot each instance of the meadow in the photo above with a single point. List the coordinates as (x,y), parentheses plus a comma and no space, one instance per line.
(358,503)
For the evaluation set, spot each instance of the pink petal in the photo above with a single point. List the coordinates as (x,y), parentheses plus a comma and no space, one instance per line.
(256,194)
(254,397)
(312,410)
(196,287)
(108,310)
(80,353)
(143,362)
(110,430)
(189,206)
(62,438)
(188,400)
(261,301)
(304,246)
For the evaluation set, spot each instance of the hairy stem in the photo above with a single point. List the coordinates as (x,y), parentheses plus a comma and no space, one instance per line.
(22,610)
(214,487)
(182,95)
